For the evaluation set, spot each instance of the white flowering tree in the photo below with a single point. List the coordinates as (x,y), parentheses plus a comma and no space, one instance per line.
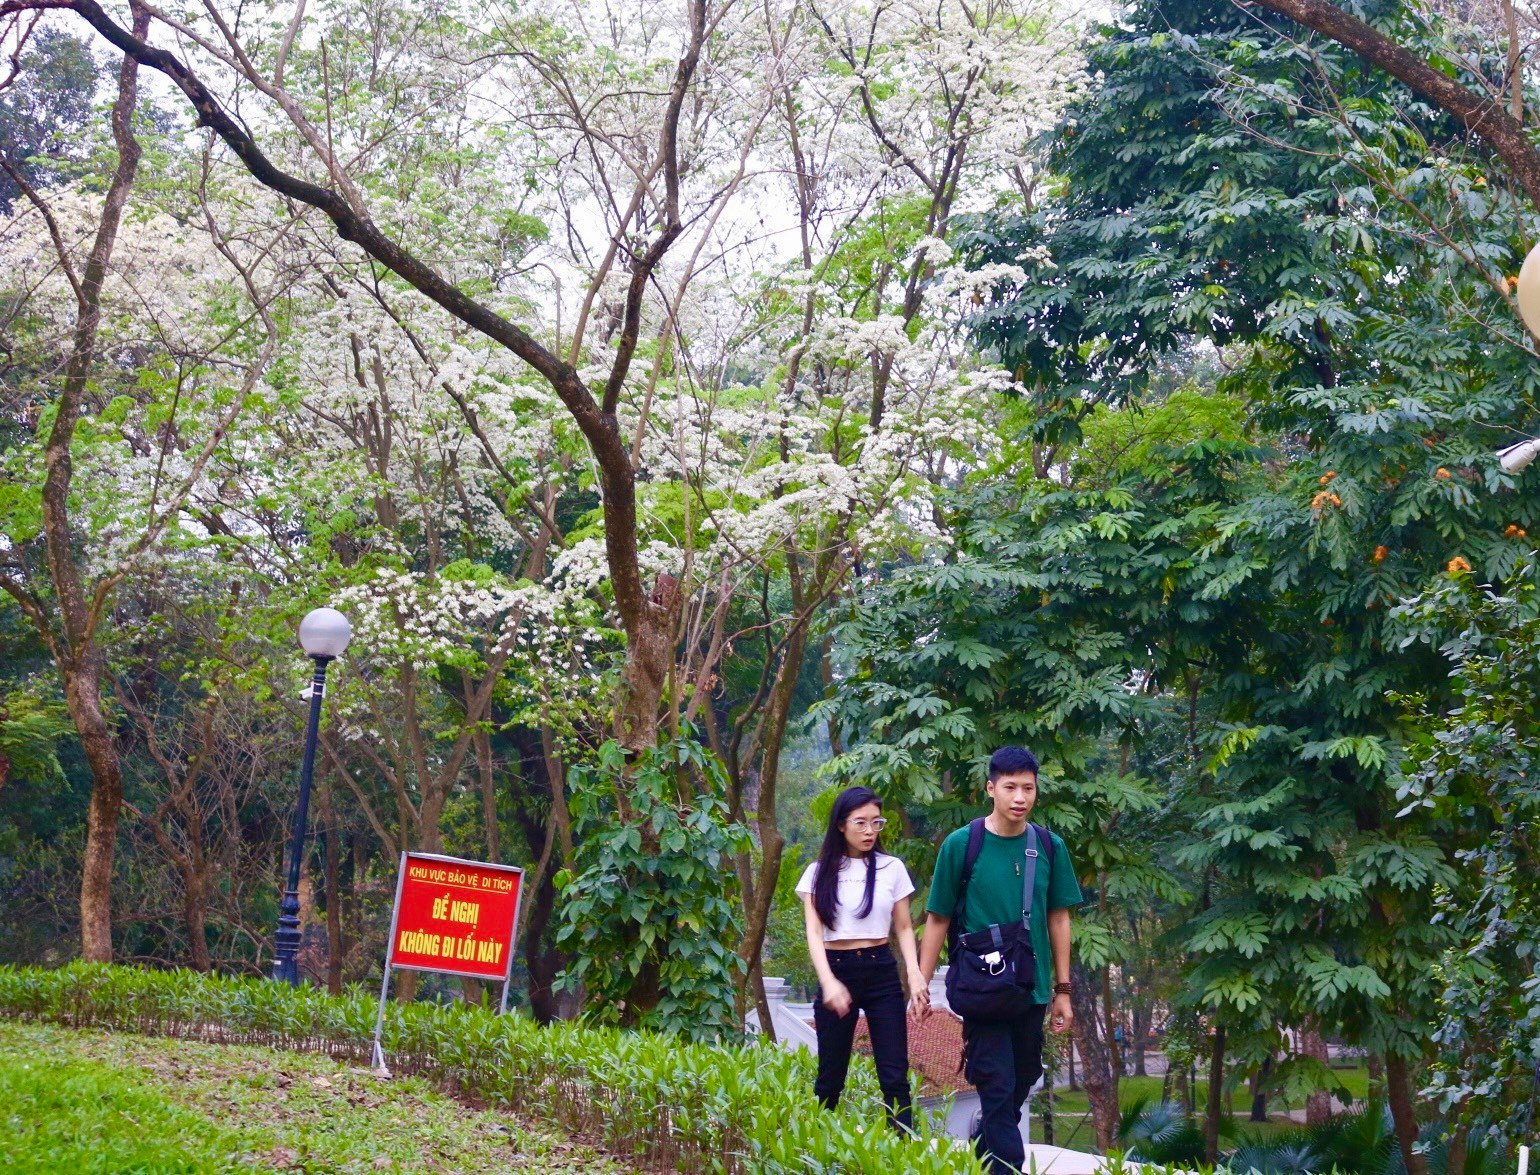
(328,145)
(361,484)
(813,424)
(592,324)
(123,393)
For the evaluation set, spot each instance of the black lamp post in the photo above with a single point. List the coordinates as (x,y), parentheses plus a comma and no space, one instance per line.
(323,634)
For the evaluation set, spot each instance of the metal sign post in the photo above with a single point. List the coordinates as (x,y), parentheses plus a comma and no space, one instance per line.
(461,918)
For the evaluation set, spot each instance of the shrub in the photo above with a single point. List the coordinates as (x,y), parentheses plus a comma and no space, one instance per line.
(692,1107)
(647,909)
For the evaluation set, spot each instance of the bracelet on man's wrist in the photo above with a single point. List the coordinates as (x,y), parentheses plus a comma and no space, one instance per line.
(1061,989)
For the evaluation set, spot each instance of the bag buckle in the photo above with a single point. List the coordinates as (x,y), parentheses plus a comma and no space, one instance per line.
(995,961)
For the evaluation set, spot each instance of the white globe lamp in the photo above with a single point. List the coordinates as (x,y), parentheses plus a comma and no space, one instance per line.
(1528,291)
(325,632)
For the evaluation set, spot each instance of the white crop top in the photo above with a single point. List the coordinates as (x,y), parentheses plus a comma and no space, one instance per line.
(892,885)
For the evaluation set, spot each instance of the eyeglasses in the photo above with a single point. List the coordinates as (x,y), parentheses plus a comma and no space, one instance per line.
(877,824)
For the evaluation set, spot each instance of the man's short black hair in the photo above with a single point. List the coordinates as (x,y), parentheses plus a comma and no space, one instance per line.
(1011,761)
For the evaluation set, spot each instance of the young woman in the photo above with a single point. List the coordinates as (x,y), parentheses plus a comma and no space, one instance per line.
(852,896)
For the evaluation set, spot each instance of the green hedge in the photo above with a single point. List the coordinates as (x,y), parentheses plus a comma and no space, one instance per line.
(690,1107)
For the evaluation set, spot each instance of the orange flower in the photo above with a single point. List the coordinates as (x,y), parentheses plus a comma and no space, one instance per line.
(1513,283)
(1380,552)
(1326,479)
(1442,473)
(1459,565)
(1324,499)
(1515,531)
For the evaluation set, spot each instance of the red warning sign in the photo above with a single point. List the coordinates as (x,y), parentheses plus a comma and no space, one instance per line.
(454,916)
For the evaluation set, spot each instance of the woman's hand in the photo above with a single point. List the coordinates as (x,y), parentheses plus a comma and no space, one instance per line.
(917,984)
(836,997)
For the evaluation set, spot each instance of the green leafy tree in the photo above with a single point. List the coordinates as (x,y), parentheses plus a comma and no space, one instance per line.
(645,913)
(1471,771)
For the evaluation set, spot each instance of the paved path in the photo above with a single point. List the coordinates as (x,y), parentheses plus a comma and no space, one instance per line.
(1055,1160)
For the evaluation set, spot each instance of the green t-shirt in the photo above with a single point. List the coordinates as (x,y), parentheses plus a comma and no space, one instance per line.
(994,890)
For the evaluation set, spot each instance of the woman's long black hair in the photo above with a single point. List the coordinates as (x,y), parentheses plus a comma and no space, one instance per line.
(826,893)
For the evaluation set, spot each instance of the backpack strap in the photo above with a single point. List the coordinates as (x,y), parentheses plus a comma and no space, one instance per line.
(970,859)
(1045,846)
(1029,877)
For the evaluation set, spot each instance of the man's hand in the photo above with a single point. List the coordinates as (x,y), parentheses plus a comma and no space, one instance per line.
(1061,1015)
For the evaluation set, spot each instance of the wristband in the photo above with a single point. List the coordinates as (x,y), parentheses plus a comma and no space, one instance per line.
(1061,989)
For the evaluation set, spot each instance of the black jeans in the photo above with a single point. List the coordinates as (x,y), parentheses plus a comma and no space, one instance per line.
(1004,1061)
(871,975)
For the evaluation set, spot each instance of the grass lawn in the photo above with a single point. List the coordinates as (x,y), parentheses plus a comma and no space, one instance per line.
(100,1102)
(1072,1109)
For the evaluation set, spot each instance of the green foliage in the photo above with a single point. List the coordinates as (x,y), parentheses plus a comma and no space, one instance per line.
(1239,209)
(45,112)
(731,1109)
(1472,769)
(648,906)
(1159,1132)
(30,731)
(1359,1142)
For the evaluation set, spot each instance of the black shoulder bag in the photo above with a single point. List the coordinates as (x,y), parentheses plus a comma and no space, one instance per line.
(992,973)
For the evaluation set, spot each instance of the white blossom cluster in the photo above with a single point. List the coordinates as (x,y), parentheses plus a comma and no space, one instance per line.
(802,380)
(544,645)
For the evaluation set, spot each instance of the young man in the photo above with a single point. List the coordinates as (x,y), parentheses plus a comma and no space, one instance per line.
(1004,1058)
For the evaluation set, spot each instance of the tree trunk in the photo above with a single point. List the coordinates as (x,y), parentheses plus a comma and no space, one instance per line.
(1318,1104)
(541,959)
(335,948)
(1141,1018)
(1459,1150)
(1376,1066)
(83,694)
(1259,1091)
(767,824)
(649,661)
(762,1001)
(1216,1081)
(1181,1087)
(1047,1115)
(194,916)
(405,983)
(1095,1062)
(1398,1087)
(1114,1053)
(488,794)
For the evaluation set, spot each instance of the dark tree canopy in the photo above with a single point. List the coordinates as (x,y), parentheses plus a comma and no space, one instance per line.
(44,114)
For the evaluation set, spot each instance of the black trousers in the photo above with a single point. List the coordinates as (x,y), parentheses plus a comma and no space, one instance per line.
(1004,1061)
(871,975)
